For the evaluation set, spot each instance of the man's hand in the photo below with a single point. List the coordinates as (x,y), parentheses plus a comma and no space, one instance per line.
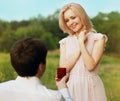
(61,83)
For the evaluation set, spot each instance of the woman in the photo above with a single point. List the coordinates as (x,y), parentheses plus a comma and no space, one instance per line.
(81,52)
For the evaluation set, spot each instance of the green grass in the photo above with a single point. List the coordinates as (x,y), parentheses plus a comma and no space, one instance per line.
(109,73)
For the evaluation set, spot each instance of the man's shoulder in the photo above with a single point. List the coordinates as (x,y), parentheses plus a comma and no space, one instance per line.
(7,84)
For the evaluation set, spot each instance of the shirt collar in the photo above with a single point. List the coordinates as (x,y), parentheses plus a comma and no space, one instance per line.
(28,80)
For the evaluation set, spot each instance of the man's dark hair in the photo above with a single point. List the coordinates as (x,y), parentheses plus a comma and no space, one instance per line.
(26,55)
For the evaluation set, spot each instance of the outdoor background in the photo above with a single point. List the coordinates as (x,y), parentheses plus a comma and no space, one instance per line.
(35,18)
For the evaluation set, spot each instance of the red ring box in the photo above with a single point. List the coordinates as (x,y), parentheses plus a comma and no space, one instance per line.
(61,72)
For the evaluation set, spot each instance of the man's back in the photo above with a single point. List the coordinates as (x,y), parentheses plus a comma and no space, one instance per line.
(20,96)
(27,89)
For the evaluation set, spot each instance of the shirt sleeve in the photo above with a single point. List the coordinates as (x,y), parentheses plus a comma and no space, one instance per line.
(99,36)
(65,93)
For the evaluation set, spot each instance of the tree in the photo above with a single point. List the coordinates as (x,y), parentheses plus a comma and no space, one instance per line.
(110,25)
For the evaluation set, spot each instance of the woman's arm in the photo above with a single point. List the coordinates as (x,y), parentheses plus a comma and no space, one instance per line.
(70,62)
(91,60)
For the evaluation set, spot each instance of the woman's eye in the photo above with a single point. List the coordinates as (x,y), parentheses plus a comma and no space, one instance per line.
(73,17)
(66,20)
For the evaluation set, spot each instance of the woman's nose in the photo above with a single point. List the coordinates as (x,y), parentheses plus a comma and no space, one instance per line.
(70,22)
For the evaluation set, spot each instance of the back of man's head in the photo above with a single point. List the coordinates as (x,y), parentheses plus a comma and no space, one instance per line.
(26,55)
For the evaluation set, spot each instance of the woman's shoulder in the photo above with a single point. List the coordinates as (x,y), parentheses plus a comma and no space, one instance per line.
(97,36)
(63,40)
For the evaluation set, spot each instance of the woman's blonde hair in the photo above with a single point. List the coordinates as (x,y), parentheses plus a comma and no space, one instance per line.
(80,12)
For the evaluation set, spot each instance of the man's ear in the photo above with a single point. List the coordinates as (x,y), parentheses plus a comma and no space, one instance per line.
(41,69)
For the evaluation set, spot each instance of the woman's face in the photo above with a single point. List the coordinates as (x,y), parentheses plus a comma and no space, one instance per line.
(72,21)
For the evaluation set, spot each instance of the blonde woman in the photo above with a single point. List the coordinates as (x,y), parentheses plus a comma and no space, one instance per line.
(81,52)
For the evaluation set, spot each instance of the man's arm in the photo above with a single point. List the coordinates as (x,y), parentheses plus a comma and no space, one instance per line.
(62,87)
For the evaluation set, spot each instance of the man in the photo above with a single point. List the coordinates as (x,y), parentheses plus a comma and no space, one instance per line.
(28,58)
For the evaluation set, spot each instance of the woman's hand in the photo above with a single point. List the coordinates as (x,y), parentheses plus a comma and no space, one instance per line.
(82,37)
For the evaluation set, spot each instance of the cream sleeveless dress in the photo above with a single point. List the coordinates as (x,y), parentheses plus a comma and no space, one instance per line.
(84,85)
